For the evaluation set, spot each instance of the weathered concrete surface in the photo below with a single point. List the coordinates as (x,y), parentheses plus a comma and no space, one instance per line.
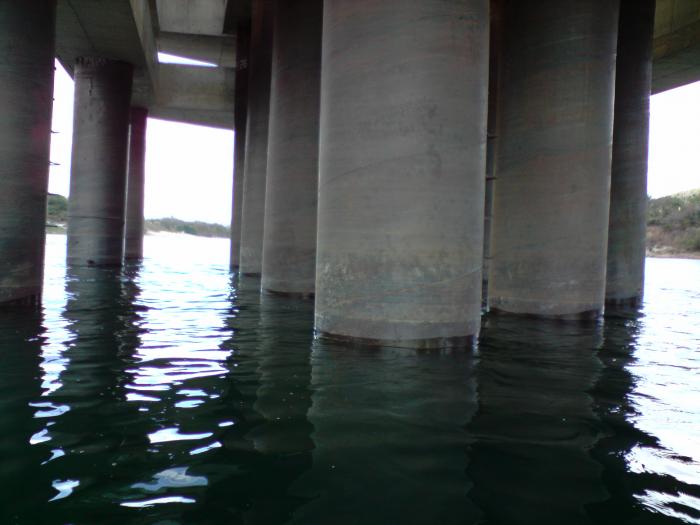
(676,44)
(115,29)
(252,222)
(402,160)
(196,17)
(135,185)
(492,137)
(628,190)
(131,31)
(291,200)
(198,95)
(551,204)
(27,31)
(240,121)
(99,160)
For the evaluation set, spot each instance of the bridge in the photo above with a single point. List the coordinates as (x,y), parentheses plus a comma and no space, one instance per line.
(402,162)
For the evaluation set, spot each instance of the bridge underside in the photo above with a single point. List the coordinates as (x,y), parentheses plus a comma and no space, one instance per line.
(205,30)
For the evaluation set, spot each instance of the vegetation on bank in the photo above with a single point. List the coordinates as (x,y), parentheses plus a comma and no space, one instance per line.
(201,229)
(57,212)
(57,216)
(673,225)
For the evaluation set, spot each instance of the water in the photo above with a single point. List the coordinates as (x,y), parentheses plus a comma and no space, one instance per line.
(164,394)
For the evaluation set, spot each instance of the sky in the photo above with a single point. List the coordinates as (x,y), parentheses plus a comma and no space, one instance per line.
(189,169)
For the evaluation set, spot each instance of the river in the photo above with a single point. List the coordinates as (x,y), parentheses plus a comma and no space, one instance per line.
(165,393)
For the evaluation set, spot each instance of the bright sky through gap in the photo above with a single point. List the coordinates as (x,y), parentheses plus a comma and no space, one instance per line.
(674,141)
(166,58)
(189,168)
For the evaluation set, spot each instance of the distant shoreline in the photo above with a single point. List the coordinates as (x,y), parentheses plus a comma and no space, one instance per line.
(61,230)
(58,230)
(673,226)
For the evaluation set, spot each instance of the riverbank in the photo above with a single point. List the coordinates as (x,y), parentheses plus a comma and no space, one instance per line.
(673,226)
(57,217)
(60,229)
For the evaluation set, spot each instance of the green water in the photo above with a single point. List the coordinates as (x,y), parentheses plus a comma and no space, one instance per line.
(166,393)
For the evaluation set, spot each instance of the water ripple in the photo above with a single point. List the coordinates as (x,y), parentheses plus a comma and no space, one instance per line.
(170,392)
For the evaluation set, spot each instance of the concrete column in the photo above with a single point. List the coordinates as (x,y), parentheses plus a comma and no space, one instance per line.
(99,159)
(289,244)
(402,160)
(552,191)
(255,169)
(240,121)
(27,42)
(136,179)
(628,190)
(496,7)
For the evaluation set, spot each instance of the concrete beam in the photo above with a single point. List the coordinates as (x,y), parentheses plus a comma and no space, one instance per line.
(116,30)
(195,95)
(676,44)
(196,17)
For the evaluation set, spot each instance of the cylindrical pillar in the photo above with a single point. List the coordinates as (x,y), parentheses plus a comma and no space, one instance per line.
(402,159)
(628,189)
(255,169)
(240,120)
(27,41)
(99,159)
(552,190)
(491,141)
(135,185)
(289,245)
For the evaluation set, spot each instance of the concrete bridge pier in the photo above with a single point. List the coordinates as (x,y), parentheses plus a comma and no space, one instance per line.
(628,190)
(240,121)
(402,159)
(551,195)
(255,169)
(27,42)
(99,160)
(135,185)
(289,242)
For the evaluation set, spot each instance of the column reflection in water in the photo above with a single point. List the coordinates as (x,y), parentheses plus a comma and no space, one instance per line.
(227,428)
(532,435)
(21,479)
(282,439)
(614,406)
(389,437)
(93,432)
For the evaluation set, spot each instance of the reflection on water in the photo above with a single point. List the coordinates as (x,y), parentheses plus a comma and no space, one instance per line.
(169,393)
(389,436)
(535,425)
